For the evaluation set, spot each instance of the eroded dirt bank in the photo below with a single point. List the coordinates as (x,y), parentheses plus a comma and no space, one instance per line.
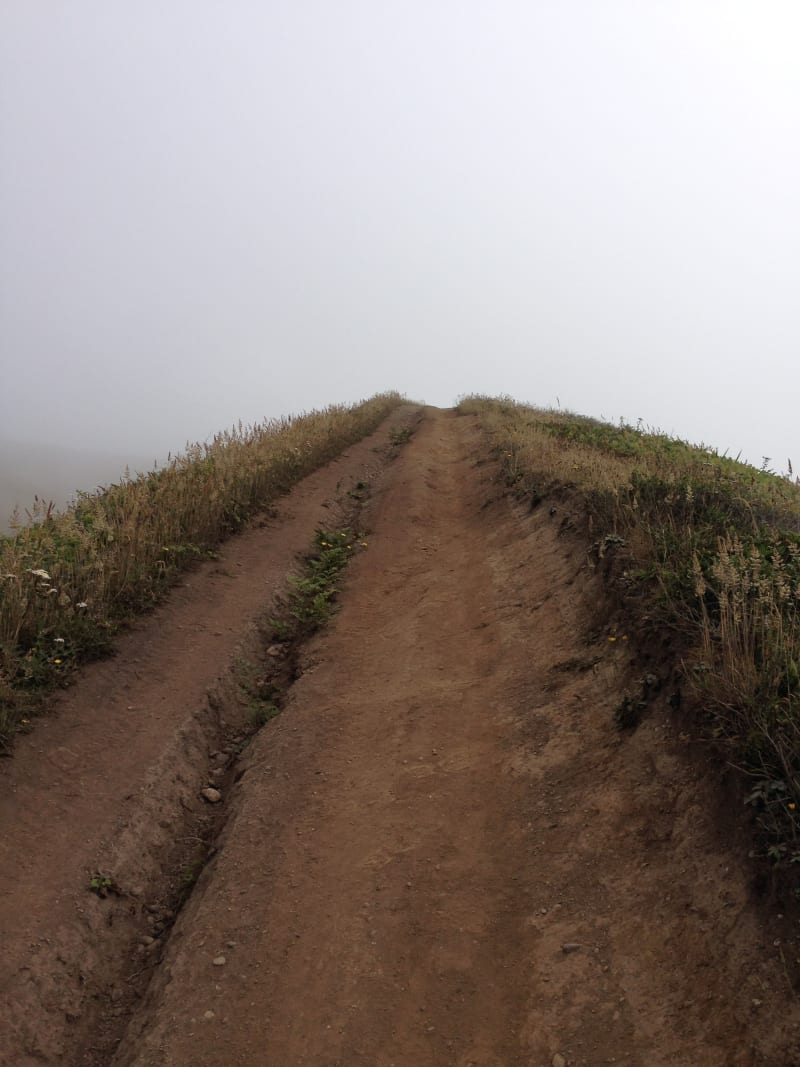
(108,787)
(443,853)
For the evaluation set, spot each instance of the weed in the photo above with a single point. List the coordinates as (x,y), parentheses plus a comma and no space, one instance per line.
(400,437)
(102,885)
(312,593)
(279,629)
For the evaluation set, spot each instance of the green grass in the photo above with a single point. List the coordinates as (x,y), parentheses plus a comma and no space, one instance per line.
(702,548)
(307,606)
(69,580)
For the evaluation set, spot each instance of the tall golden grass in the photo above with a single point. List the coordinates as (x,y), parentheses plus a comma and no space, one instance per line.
(68,579)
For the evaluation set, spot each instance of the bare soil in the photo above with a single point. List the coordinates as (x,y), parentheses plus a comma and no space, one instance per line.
(442,852)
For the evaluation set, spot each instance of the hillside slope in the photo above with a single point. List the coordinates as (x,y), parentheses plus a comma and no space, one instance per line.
(441,852)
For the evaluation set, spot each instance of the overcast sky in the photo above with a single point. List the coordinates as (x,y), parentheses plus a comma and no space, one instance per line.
(212,211)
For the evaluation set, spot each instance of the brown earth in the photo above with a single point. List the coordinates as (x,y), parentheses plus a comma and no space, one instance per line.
(442,852)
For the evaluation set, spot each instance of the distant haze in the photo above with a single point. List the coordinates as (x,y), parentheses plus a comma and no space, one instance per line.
(212,212)
(54,474)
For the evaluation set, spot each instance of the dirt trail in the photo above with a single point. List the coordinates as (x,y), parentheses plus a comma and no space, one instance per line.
(110,782)
(441,853)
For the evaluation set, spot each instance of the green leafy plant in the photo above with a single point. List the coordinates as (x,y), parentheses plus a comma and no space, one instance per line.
(102,885)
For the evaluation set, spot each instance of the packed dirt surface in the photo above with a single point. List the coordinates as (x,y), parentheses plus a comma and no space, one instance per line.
(442,852)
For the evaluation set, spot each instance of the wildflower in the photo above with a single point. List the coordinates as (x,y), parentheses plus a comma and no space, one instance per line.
(81,604)
(57,662)
(792,806)
(39,573)
(363,544)
(612,638)
(59,640)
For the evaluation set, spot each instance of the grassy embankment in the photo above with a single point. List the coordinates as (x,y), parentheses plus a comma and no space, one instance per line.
(704,548)
(69,580)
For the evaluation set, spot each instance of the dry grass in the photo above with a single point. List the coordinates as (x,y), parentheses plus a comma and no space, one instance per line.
(708,548)
(68,580)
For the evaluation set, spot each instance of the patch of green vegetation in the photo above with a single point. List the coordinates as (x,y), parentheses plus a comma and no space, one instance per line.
(308,606)
(311,599)
(102,885)
(400,436)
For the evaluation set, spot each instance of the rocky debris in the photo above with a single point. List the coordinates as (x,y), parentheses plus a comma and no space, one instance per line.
(558,1060)
(213,796)
(219,961)
(570,946)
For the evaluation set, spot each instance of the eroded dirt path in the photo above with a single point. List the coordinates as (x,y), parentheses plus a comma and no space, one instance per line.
(442,852)
(110,782)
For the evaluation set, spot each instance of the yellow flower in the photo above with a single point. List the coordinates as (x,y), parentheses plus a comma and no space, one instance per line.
(792,807)
(612,638)
(56,661)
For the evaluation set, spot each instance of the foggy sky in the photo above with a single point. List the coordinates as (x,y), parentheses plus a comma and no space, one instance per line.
(219,211)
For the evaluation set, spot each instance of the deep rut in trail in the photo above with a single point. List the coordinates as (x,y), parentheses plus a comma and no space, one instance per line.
(442,853)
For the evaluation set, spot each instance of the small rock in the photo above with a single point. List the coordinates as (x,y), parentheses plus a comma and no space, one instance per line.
(213,796)
(558,1060)
(756,1002)
(570,946)
(219,961)
(209,1015)
(230,944)
(275,651)
(146,939)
